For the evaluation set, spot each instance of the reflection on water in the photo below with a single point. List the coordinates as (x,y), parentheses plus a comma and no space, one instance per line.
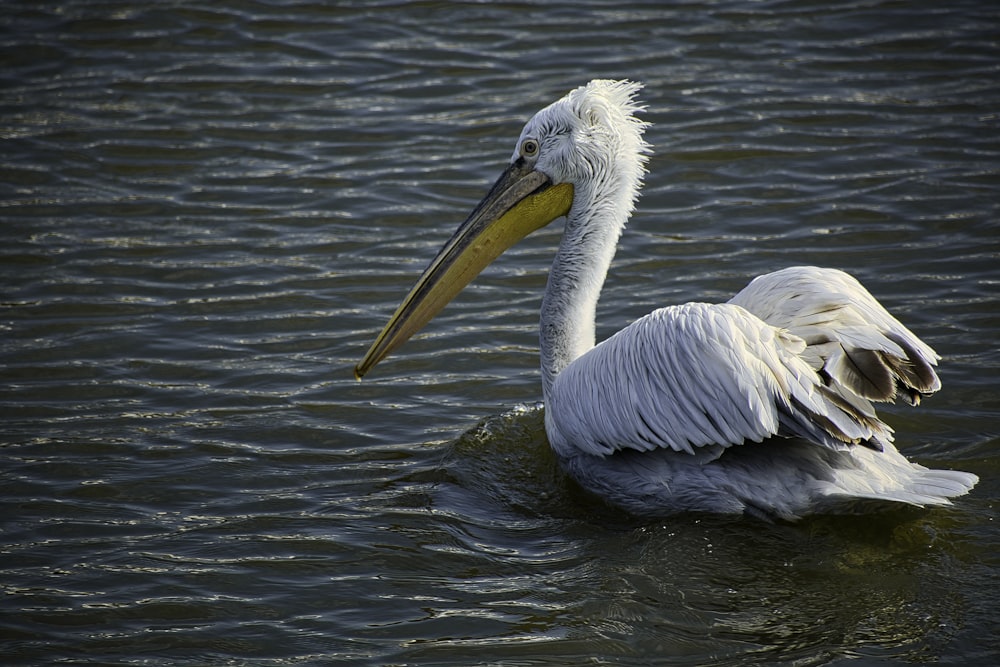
(207,213)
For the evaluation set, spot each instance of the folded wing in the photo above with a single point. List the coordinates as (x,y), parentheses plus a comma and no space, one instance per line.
(800,352)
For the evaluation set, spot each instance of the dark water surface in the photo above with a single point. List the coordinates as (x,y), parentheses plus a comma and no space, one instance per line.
(207,211)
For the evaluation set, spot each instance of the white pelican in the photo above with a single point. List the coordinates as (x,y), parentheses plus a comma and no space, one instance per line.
(761,405)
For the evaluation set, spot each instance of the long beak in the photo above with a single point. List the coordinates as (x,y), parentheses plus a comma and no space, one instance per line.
(521,201)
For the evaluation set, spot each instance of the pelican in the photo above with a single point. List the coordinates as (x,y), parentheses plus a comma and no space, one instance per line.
(759,406)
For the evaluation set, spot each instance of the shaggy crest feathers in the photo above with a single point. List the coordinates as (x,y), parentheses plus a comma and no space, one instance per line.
(593,137)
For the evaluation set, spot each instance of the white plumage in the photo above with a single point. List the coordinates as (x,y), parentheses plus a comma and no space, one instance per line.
(762,405)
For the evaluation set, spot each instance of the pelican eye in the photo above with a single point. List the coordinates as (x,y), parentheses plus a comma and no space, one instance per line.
(529,148)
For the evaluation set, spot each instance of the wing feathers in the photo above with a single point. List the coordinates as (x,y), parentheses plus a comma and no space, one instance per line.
(696,375)
(859,346)
(864,372)
(800,353)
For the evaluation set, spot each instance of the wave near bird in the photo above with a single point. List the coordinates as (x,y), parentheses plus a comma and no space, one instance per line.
(761,405)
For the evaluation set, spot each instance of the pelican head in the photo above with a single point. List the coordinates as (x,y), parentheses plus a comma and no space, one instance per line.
(584,148)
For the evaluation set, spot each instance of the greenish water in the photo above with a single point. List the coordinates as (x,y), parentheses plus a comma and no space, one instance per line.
(208,212)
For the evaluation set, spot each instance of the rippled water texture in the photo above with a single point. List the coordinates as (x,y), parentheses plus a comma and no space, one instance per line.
(208,211)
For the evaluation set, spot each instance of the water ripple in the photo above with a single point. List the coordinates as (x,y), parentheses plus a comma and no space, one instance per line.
(209,211)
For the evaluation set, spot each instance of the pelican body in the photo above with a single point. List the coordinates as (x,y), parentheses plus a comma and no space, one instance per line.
(761,405)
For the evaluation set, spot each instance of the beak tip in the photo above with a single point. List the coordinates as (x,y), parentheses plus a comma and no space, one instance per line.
(358,373)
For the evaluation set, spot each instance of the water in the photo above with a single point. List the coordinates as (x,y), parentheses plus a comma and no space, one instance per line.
(209,211)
